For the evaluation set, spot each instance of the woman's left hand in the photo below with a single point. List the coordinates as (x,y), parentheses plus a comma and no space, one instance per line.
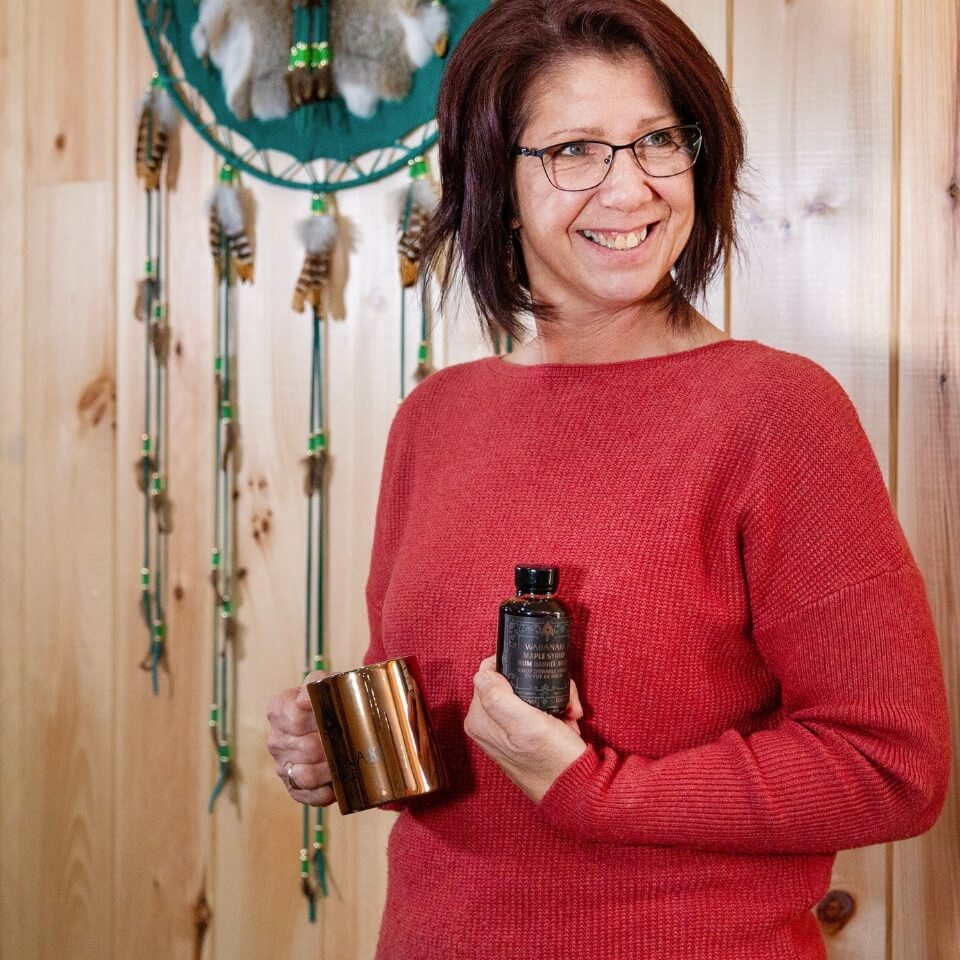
(531,747)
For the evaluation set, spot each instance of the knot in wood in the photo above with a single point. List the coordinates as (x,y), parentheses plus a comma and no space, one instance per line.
(835,909)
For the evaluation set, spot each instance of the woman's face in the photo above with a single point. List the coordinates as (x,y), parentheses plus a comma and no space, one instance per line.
(616,101)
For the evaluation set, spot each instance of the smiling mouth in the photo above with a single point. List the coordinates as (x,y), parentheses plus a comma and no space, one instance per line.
(618,241)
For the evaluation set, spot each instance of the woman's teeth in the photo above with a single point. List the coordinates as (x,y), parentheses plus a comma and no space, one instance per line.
(617,241)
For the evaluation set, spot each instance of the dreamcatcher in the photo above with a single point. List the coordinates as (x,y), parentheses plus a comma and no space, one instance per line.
(156,146)
(314,95)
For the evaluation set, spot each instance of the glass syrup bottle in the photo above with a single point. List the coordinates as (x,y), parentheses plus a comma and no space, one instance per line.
(533,640)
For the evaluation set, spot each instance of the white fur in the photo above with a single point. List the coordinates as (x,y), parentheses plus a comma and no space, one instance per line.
(361,100)
(225,203)
(317,233)
(233,56)
(425,194)
(420,32)
(165,110)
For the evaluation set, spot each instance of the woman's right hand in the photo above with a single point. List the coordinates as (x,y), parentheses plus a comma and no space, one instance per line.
(296,747)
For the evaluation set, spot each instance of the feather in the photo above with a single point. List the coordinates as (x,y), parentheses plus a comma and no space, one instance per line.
(229,443)
(318,234)
(162,509)
(140,302)
(315,465)
(144,464)
(423,203)
(231,220)
(157,121)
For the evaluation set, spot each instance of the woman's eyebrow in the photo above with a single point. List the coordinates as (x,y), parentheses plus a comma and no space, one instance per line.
(597,132)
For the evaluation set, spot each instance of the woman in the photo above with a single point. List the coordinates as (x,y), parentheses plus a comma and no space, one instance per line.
(757,678)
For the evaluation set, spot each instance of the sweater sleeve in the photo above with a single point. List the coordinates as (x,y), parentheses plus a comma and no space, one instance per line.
(396,481)
(860,753)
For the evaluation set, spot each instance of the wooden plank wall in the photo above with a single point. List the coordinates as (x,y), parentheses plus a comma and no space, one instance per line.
(106,848)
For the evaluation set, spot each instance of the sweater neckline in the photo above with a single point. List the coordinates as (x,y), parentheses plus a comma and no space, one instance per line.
(501,367)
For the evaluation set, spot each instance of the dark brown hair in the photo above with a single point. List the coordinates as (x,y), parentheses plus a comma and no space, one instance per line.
(481,112)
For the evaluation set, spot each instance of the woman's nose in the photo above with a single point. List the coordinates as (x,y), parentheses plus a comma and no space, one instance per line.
(626,185)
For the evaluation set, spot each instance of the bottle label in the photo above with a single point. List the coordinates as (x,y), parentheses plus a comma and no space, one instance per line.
(534,660)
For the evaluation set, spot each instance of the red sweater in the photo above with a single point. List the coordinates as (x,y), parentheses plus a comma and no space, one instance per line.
(752,643)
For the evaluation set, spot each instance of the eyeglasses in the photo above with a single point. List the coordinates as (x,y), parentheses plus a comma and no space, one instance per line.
(584,164)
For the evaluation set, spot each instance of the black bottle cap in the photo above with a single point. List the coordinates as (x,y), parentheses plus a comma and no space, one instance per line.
(536,579)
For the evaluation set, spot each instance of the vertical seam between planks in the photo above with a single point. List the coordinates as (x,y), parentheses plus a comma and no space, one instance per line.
(19,805)
(115,339)
(896,188)
(727,266)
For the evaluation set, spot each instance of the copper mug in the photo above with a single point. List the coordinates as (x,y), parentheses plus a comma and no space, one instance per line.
(376,734)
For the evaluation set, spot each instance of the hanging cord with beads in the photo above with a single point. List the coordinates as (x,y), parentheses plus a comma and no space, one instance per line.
(156,126)
(318,234)
(309,67)
(419,204)
(233,257)
(314,851)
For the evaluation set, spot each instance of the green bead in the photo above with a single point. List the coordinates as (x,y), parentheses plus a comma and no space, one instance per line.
(318,205)
(214,715)
(159,309)
(422,352)
(419,168)
(318,838)
(215,558)
(148,267)
(144,445)
(226,608)
(218,364)
(144,578)
(223,753)
(226,411)
(227,174)
(319,55)
(156,485)
(159,630)
(304,864)
(318,662)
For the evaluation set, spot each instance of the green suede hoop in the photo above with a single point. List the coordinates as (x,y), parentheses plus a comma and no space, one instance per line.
(325,150)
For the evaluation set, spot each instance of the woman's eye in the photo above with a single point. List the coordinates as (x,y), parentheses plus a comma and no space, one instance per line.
(579,149)
(657,139)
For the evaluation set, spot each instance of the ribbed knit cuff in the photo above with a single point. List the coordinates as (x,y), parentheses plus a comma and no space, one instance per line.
(566,804)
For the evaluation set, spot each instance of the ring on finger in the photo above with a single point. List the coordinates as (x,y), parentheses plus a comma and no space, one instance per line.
(288,776)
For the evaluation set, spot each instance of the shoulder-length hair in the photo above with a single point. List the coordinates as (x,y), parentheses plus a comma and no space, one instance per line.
(482,110)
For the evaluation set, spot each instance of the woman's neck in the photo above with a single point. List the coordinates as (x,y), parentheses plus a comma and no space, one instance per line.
(612,338)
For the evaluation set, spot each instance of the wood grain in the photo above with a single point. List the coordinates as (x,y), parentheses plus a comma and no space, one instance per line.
(164,748)
(17,938)
(814,83)
(105,842)
(69,411)
(926,881)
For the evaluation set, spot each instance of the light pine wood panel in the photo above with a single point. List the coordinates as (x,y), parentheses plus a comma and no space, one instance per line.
(926,881)
(67,879)
(70,82)
(110,858)
(814,82)
(17,939)
(259,909)
(164,748)
(708,20)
